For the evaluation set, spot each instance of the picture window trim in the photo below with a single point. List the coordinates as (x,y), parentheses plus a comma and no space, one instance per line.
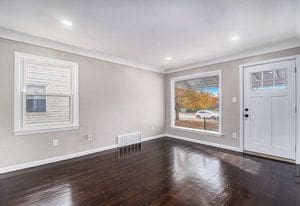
(172,102)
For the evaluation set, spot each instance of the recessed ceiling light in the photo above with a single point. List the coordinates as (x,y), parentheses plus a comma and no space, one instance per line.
(67,22)
(168,58)
(234,38)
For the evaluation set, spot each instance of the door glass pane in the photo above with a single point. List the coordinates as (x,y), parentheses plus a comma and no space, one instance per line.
(280,78)
(268,79)
(272,79)
(256,80)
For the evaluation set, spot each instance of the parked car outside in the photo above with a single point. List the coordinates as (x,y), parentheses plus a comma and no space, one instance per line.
(207,114)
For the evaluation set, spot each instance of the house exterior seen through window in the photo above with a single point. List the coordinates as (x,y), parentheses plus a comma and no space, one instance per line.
(36,103)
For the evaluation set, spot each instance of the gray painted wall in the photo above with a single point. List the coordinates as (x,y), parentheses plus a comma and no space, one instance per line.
(230,88)
(114,99)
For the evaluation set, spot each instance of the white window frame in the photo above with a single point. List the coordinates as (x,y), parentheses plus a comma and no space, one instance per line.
(172,102)
(21,59)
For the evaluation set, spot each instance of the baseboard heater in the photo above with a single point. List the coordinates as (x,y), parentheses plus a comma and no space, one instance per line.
(129,139)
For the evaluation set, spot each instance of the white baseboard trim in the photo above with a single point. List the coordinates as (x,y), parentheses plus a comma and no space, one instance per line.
(227,147)
(54,159)
(100,149)
(153,137)
(65,157)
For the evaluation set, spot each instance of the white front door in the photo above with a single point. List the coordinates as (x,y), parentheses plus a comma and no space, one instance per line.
(269,109)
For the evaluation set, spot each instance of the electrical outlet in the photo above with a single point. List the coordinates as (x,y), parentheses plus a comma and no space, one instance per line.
(234,99)
(55,142)
(234,136)
(90,137)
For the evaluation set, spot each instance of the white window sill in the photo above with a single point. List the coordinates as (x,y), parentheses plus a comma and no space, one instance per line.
(197,131)
(48,129)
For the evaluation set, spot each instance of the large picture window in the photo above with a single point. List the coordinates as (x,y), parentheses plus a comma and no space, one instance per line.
(196,102)
(46,94)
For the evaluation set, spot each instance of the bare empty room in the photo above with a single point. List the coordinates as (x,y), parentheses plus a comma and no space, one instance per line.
(149,102)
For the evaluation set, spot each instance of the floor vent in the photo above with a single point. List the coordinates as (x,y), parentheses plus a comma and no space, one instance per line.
(129,139)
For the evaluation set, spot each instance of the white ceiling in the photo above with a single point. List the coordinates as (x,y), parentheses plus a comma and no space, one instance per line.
(146,31)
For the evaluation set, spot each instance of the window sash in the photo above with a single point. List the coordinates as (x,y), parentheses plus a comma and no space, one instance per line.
(48,94)
(48,123)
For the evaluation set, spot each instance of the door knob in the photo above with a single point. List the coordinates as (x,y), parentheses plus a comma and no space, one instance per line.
(246,115)
(246,109)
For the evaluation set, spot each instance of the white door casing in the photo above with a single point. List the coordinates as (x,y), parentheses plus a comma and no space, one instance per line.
(269,97)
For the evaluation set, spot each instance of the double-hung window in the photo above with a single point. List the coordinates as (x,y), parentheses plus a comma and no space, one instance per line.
(45,94)
(196,103)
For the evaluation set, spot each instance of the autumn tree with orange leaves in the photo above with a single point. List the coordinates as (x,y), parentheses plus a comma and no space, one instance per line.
(194,100)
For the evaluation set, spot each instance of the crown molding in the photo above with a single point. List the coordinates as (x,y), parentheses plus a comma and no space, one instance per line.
(246,54)
(38,41)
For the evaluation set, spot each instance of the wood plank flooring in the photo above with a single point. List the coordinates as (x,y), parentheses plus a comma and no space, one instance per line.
(159,172)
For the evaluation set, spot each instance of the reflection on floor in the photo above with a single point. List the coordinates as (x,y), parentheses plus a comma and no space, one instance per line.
(159,172)
(130,150)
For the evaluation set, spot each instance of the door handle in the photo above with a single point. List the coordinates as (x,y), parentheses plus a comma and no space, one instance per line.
(246,109)
(246,115)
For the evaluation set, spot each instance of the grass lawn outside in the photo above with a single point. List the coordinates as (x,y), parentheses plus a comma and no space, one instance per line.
(190,121)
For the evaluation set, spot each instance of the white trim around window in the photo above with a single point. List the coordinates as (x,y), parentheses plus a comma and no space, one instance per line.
(172,103)
(20,128)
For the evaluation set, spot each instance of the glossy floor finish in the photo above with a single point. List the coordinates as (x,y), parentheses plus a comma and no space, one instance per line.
(159,172)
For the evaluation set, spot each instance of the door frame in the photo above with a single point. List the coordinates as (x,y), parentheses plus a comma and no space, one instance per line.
(297,93)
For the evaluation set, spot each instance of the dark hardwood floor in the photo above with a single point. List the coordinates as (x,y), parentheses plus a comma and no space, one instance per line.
(159,172)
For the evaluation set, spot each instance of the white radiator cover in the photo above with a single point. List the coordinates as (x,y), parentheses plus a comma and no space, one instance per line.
(129,139)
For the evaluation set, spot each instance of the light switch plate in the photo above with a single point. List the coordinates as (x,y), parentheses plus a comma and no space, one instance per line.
(54,142)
